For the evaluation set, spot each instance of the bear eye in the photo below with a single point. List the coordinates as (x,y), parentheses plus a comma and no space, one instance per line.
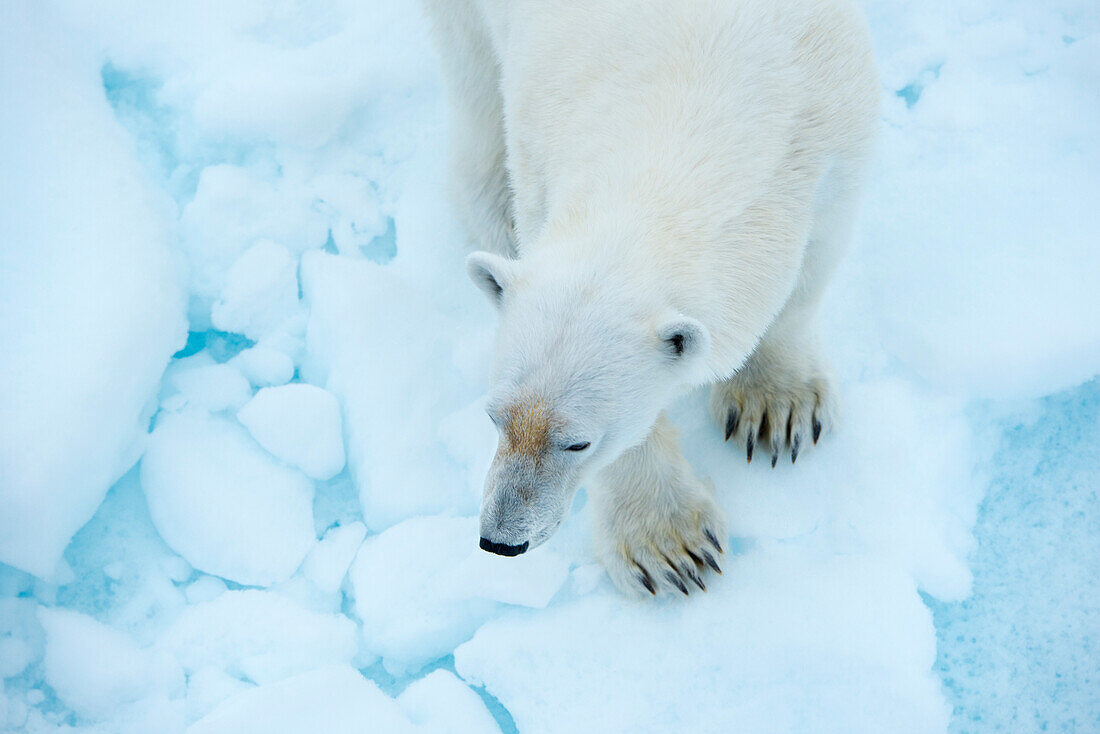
(578,446)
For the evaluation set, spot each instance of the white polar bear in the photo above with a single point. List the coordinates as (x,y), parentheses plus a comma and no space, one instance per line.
(664,189)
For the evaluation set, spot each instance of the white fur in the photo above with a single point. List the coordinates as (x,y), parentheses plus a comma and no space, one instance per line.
(654,165)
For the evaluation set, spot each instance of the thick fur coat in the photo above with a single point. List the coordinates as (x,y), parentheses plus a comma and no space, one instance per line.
(661,190)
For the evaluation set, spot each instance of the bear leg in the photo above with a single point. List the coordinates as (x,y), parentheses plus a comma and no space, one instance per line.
(478,173)
(658,528)
(783,398)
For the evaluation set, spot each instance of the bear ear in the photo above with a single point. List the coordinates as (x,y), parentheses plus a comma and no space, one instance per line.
(491,273)
(684,340)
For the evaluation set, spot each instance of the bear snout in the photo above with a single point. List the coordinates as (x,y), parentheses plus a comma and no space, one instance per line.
(501,549)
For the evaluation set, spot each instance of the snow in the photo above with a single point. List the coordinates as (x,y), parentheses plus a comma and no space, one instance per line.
(328,562)
(19,644)
(90,298)
(454,586)
(208,687)
(236,219)
(334,699)
(224,504)
(200,382)
(299,424)
(909,501)
(440,702)
(389,419)
(992,117)
(264,366)
(260,297)
(257,635)
(782,642)
(1038,523)
(95,669)
(261,186)
(205,588)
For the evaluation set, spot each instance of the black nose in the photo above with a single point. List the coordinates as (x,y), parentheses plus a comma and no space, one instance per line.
(502,550)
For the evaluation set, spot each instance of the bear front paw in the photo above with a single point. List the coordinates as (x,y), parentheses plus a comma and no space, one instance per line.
(664,546)
(773,408)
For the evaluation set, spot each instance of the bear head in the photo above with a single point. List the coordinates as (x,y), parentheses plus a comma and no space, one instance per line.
(585,360)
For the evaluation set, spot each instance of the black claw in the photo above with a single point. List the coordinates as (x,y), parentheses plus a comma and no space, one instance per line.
(731,422)
(676,581)
(712,563)
(713,540)
(698,561)
(644,580)
(775,457)
(817,429)
(694,577)
(790,417)
(748,448)
(795,444)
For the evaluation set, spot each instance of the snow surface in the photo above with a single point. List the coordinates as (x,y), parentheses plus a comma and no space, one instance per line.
(94,669)
(328,562)
(299,424)
(335,699)
(264,366)
(258,188)
(90,294)
(200,382)
(440,702)
(1037,587)
(257,635)
(453,586)
(224,504)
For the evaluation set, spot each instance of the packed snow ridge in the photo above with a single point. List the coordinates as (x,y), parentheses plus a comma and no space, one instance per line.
(242,438)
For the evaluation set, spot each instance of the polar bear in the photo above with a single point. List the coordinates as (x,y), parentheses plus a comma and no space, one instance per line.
(661,190)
